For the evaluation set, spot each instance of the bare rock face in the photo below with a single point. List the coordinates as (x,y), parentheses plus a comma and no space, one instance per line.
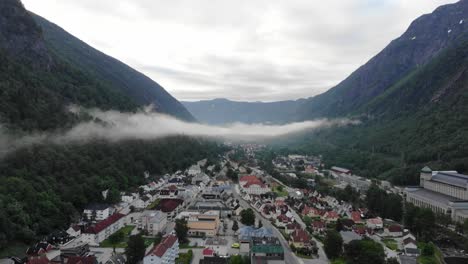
(20,37)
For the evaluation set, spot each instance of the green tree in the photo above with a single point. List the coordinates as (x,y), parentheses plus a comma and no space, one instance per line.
(235,226)
(428,249)
(392,261)
(364,251)
(333,244)
(116,238)
(181,230)
(465,227)
(135,250)
(248,217)
(307,220)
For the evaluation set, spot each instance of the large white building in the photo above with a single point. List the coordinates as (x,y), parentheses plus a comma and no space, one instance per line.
(97,212)
(444,192)
(153,222)
(164,253)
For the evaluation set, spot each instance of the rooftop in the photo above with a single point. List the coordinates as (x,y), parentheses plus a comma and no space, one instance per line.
(269,245)
(169,205)
(431,195)
(95,229)
(96,206)
(451,178)
(162,247)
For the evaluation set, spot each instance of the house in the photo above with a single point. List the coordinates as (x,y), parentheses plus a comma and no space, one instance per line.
(360,230)
(129,197)
(38,260)
(116,259)
(153,222)
(169,192)
(290,228)
(374,223)
(97,233)
(39,249)
(96,212)
(218,245)
(82,260)
(331,216)
(409,243)
(208,252)
(319,226)
(170,206)
(255,188)
(194,170)
(412,252)
(203,225)
(300,239)
(164,253)
(282,220)
(394,230)
(339,170)
(356,217)
(143,202)
(74,231)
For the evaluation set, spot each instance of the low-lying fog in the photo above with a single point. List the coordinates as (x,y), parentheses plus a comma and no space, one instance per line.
(117,126)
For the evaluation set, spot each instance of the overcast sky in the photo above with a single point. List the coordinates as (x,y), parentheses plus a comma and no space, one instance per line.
(250,50)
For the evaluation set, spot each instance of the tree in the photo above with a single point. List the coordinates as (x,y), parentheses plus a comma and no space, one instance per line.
(181,229)
(307,220)
(333,244)
(428,249)
(235,226)
(135,250)
(248,217)
(465,227)
(364,251)
(339,225)
(116,238)
(392,261)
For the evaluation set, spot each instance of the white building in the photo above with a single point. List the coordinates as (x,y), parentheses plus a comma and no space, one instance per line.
(218,245)
(97,233)
(164,253)
(444,192)
(153,222)
(97,212)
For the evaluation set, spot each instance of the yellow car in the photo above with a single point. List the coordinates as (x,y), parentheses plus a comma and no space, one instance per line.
(235,245)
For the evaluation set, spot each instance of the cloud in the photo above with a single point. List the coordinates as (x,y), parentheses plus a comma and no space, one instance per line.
(243,50)
(146,125)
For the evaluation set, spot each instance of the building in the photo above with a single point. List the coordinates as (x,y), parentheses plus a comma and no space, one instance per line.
(97,233)
(300,239)
(203,225)
(338,170)
(444,192)
(263,249)
(374,223)
(96,212)
(170,206)
(164,253)
(214,260)
(253,185)
(153,222)
(218,245)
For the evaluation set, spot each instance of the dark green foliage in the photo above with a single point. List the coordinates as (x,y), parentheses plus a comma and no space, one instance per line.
(43,188)
(364,251)
(333,244)
(135,250)
(421,221)
(181,230)
(238,259)
(185,258)
(235,226)
(248,217)
(134,85)
(427,249)
(384,204)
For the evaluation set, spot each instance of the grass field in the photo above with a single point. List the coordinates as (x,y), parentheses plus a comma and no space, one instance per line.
(280,191)
(390,243)
(126,230)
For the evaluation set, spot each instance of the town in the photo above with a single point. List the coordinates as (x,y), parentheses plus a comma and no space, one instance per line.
(246,209)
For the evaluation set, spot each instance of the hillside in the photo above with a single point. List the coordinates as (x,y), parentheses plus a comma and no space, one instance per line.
(425,38)
(223,111)
(132,83)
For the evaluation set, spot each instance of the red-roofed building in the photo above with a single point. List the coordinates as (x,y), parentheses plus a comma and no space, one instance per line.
(300,238)
(38,260)
(164,253)
(319,226)
(207,252)
(394,230)
(360,230)
(253,185)
(331,216)
(291,227)
(356,217)
(97,233)
(170,207)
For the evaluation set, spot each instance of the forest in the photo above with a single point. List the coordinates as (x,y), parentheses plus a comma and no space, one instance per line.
(44,187)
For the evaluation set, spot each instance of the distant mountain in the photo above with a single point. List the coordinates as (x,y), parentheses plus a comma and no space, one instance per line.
(132,83)
(223,111)
(43,70)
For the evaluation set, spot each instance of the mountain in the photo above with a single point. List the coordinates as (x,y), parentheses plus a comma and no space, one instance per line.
(223,111)
(425,38)
(38,81)
(132,83)
(412,100)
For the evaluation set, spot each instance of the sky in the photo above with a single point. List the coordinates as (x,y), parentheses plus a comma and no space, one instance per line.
(244,50)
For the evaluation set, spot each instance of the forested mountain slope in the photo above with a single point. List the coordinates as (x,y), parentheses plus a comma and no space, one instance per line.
(132,83)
